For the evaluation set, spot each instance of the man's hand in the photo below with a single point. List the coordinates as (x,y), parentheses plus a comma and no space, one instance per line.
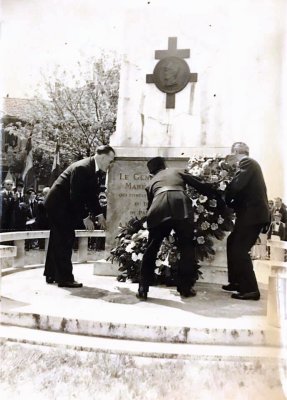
(89,225)
(102,221)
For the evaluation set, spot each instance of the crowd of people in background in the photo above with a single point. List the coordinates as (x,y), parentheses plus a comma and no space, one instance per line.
(277,229)
(278,219)
(23,209)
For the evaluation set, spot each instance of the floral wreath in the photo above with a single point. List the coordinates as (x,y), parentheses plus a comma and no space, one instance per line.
(210,221)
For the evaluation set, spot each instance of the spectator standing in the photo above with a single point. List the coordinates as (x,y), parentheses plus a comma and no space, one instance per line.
(21,213)
(19,191)
(32,204)
(271,207)
(7,204)
(277,227)
(42,221)
(280,207)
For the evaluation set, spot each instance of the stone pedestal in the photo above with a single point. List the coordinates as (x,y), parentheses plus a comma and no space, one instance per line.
(128,178)
(277,298)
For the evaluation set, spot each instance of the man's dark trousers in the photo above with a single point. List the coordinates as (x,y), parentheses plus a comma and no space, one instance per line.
(240,268)
(58,260)
(186,266)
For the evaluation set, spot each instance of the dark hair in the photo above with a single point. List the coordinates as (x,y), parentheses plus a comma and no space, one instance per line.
(19,183)
(156,164)
(30,190)
(105,149)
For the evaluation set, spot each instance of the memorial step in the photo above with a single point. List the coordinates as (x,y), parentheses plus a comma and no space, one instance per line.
(139,348)
(223,333)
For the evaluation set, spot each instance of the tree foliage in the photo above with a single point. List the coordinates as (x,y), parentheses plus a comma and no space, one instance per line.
(81,108)
(77,108)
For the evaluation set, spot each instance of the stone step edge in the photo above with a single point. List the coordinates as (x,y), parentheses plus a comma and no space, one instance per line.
(19,335)
(148,333)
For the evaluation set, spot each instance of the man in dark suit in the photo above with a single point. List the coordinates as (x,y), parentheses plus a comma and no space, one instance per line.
(74,197)
(246,194)
(6,206)
(280,207)
(169,208)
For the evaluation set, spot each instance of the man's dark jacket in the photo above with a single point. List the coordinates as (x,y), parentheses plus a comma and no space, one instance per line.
(247,195)
(76,191)
(172,204)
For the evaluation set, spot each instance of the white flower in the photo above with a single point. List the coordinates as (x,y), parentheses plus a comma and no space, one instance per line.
(196,171)
(134,257)
(212,203)
(140,234)
(220,220)
(140,256)
(200,209)
(222,185)
(145,234)
(158,262)
(145,225)
(214,178)
(205,225)
(130,246)
(165,262)
(202,199)
(223,173)
(200,240)
(195,217)
(214,226)
(206,163)
(157,271)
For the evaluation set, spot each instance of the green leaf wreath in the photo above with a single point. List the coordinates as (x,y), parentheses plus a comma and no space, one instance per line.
(211,221)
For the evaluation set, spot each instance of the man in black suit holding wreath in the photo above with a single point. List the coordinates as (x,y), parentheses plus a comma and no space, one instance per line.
(169,208)
(74,197)
(247,195)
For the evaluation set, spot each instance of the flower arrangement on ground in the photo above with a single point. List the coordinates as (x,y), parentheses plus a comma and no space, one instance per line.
(210,221)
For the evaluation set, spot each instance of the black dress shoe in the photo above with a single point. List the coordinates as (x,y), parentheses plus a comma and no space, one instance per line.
(188,293)
(246,296)
(70,284)
(142,293)
(231,287)
(50,280)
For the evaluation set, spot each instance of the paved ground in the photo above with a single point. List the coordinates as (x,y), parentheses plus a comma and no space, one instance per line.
(107,299)
(104,312)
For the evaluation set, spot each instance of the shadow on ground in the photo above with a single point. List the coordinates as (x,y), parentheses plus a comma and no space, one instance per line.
(210,300)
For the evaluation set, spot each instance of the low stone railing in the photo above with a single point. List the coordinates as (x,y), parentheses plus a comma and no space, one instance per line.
(6,252)
(19,243)
(277,285)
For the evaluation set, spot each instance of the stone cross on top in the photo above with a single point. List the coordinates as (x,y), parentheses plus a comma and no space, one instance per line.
(171,74)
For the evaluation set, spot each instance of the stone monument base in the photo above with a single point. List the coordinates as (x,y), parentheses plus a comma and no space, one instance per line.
(106,268)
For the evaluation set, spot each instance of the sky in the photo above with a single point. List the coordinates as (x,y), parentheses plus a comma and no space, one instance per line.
(38,34)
